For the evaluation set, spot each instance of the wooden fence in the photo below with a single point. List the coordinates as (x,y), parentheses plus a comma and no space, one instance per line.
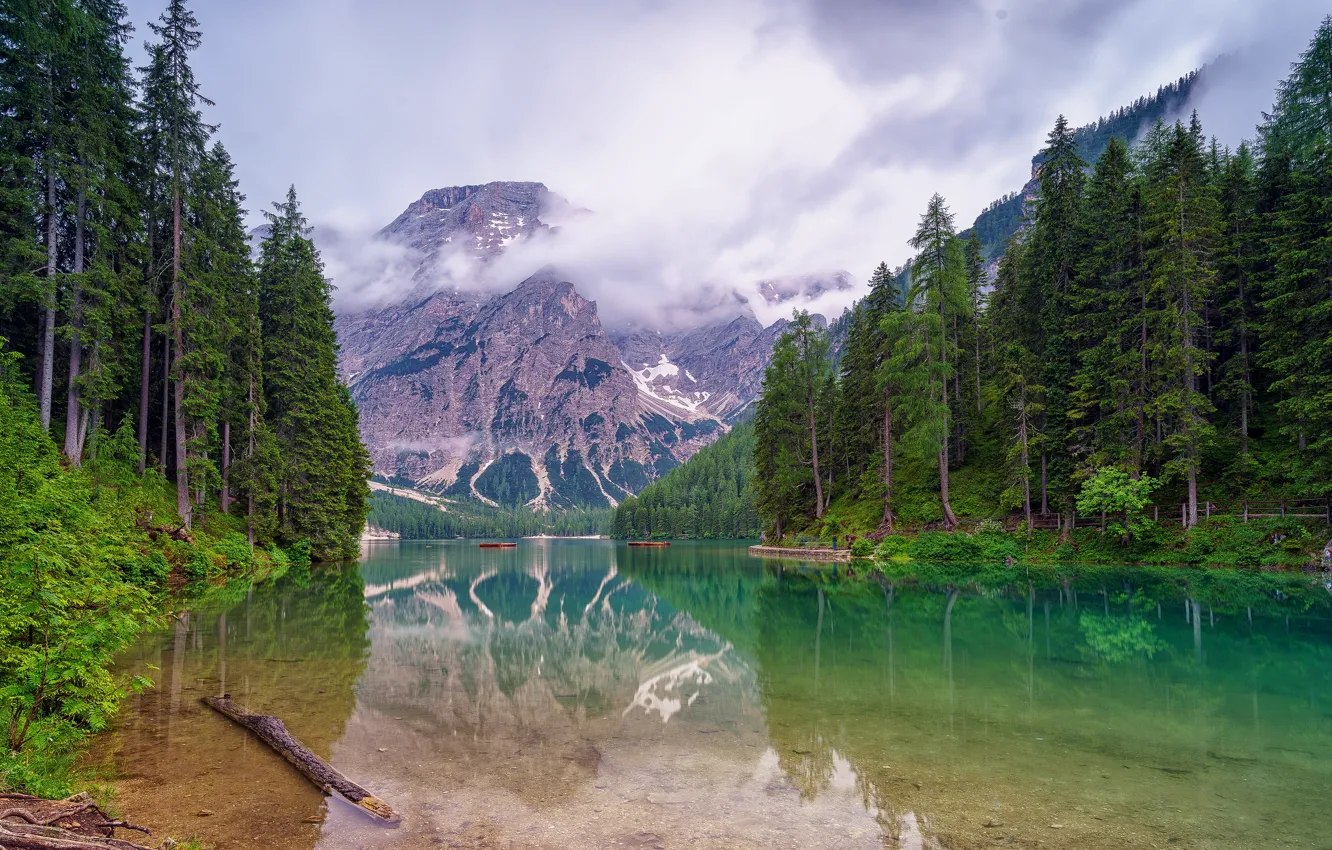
(1245,510)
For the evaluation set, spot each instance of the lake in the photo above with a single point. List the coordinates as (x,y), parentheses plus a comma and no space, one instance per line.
(582,694)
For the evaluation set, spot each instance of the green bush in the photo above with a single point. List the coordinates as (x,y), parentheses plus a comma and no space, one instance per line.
(945,546)
(236,549)
(862,548)
(892,546)
(998,546)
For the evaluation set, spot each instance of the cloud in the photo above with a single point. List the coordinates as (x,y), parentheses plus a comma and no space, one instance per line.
(718,143)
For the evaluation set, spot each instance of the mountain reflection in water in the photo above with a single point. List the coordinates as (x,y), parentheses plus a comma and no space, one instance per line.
(574,694)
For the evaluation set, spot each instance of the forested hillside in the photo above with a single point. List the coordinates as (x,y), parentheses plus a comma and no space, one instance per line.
(997,224)
(1159,331)
(710,496)
(170,412)
(416,520)
(128,287)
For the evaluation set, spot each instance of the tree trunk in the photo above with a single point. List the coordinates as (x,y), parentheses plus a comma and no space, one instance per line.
(1245,376)
(46,369)
(1026,459)
(143,389)
(249,456)
(1045,496)
(950,519)
(73,447)
(226,466)
(888,463)
(166,402)
(178,367)
(814,456)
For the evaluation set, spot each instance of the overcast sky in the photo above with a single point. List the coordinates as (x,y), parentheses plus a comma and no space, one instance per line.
(718,141)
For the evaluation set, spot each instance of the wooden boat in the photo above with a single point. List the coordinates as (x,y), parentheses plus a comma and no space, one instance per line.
(497,545)
(652,543)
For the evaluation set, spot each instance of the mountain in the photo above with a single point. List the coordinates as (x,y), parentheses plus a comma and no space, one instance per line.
(1003,218)
(523,398)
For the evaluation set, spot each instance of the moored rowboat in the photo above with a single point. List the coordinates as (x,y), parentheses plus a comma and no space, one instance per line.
(653,543)
(497,545)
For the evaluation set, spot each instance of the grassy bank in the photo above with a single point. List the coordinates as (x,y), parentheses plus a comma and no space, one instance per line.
(1270,543)
(91,556)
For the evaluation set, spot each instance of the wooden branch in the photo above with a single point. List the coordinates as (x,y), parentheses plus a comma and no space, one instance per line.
(271,731)
(22,836)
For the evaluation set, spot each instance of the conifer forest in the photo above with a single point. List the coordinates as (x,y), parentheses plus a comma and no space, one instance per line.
(1157,332)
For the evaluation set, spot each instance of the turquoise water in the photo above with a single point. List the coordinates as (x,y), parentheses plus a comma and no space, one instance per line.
(582,694)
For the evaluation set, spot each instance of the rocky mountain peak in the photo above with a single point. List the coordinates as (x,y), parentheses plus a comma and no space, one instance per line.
(477,222)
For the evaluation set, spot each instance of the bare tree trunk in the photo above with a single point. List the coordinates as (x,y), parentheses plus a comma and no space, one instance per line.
(182,459)
(46,370)
(226,465)
(950,520)
(1026,458)
(73,446)
(1045,496)
(888,519)
(166,402)
(145,366)
(249,489)
(814,457)
(1245,375)
(143,389)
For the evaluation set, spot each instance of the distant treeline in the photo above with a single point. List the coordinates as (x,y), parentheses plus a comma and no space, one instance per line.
(415,520)
(707,497)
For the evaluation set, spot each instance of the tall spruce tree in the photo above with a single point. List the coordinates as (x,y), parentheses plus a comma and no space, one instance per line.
(322,466)
(1181,233)
(175,138)
(1295,186)
(937,294)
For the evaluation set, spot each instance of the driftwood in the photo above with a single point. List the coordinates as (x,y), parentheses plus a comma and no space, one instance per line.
(32,823)
(328,779)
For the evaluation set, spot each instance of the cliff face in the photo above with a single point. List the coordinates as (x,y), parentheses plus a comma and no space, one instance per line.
(520,400)
(523,398)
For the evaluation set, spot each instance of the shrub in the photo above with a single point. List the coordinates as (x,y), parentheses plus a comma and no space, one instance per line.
(944,546)
(862,548)
(236,549)
(892,547)
(998,546)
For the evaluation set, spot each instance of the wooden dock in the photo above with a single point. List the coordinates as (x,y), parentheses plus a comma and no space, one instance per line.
(824,555)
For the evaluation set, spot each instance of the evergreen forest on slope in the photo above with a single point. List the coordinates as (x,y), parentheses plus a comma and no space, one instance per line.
(710,496)
(170,411)
(1159,333)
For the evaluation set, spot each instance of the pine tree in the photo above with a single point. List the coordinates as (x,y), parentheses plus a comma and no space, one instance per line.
(1181,228)
(1296,193)
(175,137)
(938,293)
(1238,256)
(1053,256)
(1105,313)
(323,467)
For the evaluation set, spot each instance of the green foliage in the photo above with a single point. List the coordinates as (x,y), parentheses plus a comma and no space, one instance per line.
(1159,334)
(1113,491)
(415,520)
(710,497)
(862,548)
(69,551)
(321,465)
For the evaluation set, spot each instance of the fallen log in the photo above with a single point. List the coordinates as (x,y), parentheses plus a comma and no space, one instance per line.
(27,821)
(24,836)
(328,779)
